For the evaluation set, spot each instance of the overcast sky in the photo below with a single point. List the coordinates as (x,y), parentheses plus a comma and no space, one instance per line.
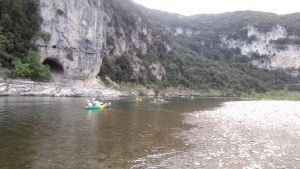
(191,7)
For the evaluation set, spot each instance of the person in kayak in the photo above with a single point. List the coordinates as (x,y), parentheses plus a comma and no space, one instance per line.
(88,103)
(95,101)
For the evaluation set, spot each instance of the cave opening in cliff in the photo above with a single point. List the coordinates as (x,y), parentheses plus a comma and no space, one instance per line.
(55,66)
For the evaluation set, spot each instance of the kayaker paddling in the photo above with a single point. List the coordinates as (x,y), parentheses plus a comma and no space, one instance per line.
(95,103)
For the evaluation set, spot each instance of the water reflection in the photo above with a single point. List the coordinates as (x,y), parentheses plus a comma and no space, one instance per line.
(43,132)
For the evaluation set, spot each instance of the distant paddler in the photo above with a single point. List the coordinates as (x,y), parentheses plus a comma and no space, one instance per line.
(159,99)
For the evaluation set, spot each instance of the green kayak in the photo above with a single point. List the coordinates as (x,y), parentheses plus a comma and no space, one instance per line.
(94,107)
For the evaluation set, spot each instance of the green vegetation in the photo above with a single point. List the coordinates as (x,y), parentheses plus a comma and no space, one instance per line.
(21,69)
(39,72)
(44,35)
(70,56)
(19,23)
(3,53)
(119,71)
(31,69)
(234,22)
(273,95)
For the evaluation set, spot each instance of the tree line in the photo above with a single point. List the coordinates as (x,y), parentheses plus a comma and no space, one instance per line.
(19,23)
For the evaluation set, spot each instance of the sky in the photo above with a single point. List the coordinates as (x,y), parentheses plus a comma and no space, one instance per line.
(192,7)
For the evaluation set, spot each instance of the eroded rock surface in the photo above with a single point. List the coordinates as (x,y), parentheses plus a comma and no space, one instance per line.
(76,31)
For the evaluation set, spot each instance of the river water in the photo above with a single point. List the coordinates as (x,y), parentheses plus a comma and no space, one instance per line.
(49,132)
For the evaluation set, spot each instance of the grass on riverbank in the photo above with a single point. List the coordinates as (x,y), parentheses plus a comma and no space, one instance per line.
(273,95)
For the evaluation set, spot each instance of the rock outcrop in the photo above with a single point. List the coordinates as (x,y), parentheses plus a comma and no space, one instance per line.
(287,57)
(157,70)
(77,30)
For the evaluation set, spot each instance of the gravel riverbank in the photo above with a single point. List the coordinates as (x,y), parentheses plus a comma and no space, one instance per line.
(241,135)
(246,134)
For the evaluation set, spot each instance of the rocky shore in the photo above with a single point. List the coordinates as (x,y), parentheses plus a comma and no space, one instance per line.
(244,135)
(30,88)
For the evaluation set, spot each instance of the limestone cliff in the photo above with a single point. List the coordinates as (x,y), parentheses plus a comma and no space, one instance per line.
(134,37)
(146,46)
(77,29)
(275,57)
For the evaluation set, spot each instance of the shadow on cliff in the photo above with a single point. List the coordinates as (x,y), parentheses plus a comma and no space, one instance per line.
(57,71)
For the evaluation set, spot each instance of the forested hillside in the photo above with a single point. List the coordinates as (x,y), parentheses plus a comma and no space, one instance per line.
(197,60)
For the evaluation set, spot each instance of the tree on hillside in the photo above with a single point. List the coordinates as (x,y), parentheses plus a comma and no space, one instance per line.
(19,20)
(3,55)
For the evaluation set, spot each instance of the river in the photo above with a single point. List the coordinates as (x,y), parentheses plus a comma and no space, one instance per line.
(51,132)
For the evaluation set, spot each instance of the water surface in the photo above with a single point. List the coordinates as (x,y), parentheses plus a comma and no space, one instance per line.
(48,132)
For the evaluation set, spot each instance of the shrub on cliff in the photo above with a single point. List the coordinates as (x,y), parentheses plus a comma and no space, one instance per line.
(44,35)
(21,69)
(32,68)
(39,72)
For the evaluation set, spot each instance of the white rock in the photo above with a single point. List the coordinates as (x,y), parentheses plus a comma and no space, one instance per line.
(3,88)
(197,163)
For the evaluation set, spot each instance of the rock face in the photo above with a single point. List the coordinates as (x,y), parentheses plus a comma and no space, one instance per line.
(77,33)
(287,57)
(140,37)
(157,70)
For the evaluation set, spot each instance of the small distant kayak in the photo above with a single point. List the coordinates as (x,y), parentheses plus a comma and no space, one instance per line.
(108,104)
(160,100)
(139,99)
